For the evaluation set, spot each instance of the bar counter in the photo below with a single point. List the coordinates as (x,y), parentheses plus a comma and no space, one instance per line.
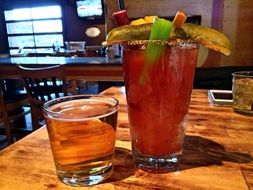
(217,154)
(87,68)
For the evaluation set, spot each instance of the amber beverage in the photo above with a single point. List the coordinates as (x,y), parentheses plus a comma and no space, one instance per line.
(82,136)
(158,103)
(243,92)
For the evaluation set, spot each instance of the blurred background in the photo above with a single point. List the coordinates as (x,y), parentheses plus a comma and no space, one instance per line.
(90,20)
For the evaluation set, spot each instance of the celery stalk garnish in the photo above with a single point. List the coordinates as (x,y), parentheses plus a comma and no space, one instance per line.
(160,30)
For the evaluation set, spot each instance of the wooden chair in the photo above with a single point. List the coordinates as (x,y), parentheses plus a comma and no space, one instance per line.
(11,108)
(42,84)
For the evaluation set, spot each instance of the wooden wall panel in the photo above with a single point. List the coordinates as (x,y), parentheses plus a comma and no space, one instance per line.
(244,33)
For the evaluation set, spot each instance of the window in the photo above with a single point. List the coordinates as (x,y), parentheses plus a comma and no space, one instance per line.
(34,30)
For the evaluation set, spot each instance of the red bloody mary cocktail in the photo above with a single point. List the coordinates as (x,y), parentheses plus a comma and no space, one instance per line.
(158,105)
(159,60)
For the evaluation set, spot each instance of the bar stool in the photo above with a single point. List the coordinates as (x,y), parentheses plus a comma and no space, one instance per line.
(42,84)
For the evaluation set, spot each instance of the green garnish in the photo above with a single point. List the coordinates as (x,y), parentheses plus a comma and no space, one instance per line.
(160,30)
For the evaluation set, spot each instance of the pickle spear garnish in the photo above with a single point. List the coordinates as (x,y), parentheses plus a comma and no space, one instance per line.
(207,37)
(128,32)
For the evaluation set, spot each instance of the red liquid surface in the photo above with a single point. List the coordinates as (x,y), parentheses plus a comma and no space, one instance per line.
(157,108)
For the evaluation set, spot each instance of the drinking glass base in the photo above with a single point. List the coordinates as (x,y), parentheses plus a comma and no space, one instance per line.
(153,164)
(85,179)
(243,112)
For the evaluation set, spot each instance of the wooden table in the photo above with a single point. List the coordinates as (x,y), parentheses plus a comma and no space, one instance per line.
(217,154)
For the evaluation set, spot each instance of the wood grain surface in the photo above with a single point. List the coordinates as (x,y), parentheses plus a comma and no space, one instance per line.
(217,154)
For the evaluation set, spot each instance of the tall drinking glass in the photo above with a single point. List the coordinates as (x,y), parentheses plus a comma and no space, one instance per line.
(158,98)
(81,131)
(243,92)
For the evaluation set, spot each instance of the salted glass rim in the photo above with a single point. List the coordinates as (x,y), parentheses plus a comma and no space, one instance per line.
(173,42)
